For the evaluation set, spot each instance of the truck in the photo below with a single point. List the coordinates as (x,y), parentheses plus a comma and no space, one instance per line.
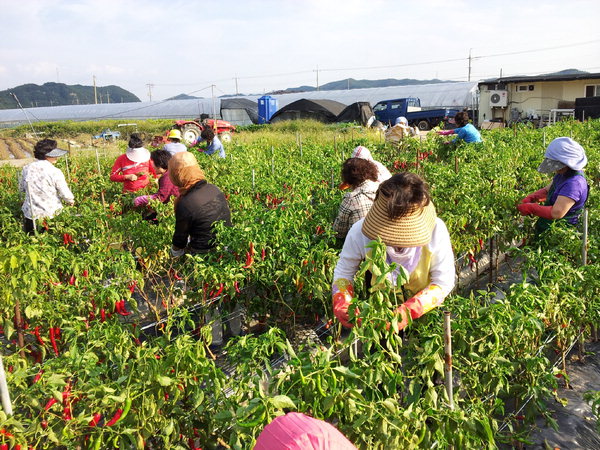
(387,111)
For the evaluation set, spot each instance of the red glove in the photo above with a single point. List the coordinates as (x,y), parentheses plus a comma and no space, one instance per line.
(526,209)
(445,132)
(537,196)
(340,309)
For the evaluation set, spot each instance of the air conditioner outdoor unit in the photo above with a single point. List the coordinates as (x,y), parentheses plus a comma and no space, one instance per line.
(498,99)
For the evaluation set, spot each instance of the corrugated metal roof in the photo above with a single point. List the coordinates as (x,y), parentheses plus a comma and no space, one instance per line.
(557,77)
(432,95)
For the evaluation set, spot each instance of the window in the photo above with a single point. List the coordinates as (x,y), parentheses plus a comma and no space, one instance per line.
(522,88)
(592,90)
(380,107)
(396,105)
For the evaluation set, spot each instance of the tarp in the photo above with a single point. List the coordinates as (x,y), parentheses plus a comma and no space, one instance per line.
(318,109)
(359,112)
(239,111)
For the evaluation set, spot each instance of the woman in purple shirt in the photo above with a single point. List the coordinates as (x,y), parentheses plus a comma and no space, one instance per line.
(565,196)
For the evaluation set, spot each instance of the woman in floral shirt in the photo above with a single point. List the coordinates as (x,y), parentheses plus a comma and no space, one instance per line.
(44,185)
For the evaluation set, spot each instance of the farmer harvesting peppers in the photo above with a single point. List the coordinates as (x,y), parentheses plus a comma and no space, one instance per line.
(404,217)
(199,206)
(565,196)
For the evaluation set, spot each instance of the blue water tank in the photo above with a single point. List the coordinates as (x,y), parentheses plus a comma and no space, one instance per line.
(267,106)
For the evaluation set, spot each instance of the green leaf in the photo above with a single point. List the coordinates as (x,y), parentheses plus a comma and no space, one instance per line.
(164,381)
(282,401)
(346,372)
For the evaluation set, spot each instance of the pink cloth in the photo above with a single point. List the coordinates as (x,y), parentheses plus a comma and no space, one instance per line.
(295,431)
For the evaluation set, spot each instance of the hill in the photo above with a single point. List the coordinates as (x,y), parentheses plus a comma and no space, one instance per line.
(54,94)
(351,83)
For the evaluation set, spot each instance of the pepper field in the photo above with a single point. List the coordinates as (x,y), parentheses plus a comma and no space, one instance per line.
(91,374)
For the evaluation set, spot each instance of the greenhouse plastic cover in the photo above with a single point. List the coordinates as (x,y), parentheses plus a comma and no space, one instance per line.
(457,95)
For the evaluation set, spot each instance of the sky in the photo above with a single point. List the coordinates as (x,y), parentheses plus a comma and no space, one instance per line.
(161,48)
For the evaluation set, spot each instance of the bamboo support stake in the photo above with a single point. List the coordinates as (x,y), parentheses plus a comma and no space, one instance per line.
(448,358)
(544,133)
(491,246)
(253,180)
(455,164)
(584,238)
(18,321)
(67,167)
(6,405)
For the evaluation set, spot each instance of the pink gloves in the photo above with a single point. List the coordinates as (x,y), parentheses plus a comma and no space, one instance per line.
(445,132)
(142,200)
(527,209)
(537,196)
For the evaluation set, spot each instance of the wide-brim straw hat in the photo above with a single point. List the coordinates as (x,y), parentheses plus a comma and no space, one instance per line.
(411,230)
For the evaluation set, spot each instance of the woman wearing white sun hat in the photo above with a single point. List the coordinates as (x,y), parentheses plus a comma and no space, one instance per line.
(404,218)
(565,197)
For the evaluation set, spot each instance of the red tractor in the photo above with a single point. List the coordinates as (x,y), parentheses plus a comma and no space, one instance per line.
(191,129)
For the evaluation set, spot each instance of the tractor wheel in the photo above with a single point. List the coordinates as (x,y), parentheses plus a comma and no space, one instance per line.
(423,125)
(190,133)
(225,136)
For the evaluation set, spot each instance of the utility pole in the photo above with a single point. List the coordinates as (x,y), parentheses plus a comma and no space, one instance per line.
(470,59)
(150,86)
(214,108)
(348,83)
(317,77)
(107,97)
(237,92)
(95,93)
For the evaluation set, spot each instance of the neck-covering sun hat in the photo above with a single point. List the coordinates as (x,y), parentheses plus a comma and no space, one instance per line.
(563,152)
(411,230)
(296,431)
(184,171)
(138,155)
(401,121)
(362,152)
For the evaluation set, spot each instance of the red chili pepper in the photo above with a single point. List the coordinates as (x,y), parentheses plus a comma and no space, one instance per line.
(36,331)
(53,341)
(481,244)
(236,285)
(219,290)
(114,418)
(263,254)
(3,446)
(95,420)
(72,280)
(49,404)
(85,273)
(66,239)
(38,376)
(320,229)
(102,315)
(132,286)
(166,396)
(252,248)
(120,308)
(57,332)
(5,433)
(249,260)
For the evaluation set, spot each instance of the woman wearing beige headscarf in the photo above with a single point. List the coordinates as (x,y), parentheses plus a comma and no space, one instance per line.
(199,206)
